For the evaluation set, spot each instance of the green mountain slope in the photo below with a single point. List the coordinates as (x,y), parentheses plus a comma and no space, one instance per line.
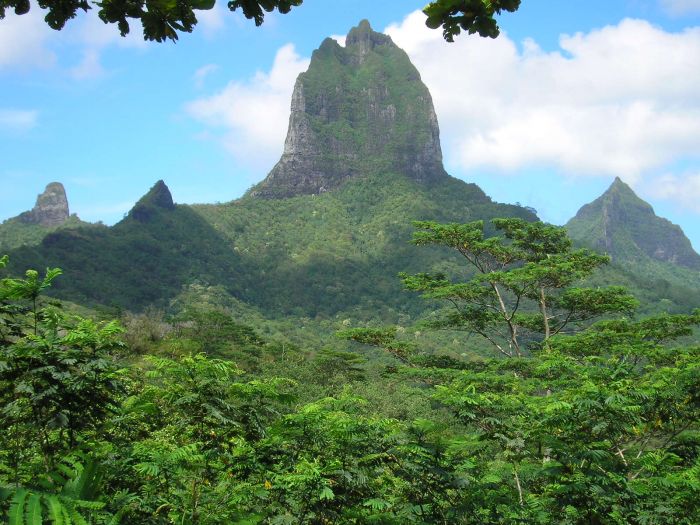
(144,259)
(327,231)
(649,249)
(15,233)
(342,250)
(308,255)
(624,226)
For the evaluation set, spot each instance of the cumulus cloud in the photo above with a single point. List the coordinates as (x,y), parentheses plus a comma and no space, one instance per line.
(17,120)
(93,36)
(24,40)
(682,189)
(340,39)
(621,100)
(212,21)
(27,42)
(251,117)
(681,7)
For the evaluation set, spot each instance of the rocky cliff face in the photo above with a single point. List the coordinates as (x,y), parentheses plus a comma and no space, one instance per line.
(51,208)
(358,110)
(624,226)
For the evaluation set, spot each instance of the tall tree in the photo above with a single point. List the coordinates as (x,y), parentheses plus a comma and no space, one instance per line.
(522,286)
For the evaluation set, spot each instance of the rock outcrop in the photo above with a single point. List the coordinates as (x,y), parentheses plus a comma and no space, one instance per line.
(357,110)
(624,226)
(51,208)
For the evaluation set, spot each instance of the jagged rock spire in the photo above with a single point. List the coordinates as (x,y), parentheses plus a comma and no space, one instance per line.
(51,208)
(357,110)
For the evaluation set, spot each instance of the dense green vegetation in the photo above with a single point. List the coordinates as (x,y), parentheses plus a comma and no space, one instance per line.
(15,232)
(311,256)
(328,258)
(201,419)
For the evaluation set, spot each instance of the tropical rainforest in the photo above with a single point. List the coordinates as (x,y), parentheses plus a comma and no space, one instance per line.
(574,411)
(359,339)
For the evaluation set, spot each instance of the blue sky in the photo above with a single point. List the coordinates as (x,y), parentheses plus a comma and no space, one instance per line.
(572,94)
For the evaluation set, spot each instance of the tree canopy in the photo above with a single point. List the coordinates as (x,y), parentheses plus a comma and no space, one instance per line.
(163,19)
(579,423)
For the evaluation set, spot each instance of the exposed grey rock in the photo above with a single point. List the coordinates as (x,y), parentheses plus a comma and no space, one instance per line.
(51,208)
(357,110)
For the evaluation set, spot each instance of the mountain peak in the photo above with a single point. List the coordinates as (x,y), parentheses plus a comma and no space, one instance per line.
(51,208)
(357,110)
(362,39)
(157,198)
(626,227)
(619,185)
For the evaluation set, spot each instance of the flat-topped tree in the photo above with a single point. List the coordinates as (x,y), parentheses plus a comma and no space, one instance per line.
(532,264)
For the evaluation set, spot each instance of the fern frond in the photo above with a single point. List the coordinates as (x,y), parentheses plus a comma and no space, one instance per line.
(76,517)
(56,510)
(84,482)
(16,513)
(34,514)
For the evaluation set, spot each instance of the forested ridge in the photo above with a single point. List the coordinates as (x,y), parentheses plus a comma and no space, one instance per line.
(575,410)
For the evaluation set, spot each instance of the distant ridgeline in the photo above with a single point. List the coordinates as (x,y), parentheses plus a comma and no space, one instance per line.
(624,226)
(653,249)
(328,230)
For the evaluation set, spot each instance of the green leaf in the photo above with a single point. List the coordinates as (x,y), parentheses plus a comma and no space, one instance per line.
(56,511)
(203,5)
(34,516)
(16,513)
(326,494)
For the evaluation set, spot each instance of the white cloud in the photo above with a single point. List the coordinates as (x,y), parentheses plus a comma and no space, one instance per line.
(621,100)
(211,21)
(253,115)
(23,40)
(340,39)
(682,189)
(27,41)
(17,120)
(681,7)
(202,73)
(95,34)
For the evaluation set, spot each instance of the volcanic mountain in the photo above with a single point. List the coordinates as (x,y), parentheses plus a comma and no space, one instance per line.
(624,226)
(326,232)
(357,110)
